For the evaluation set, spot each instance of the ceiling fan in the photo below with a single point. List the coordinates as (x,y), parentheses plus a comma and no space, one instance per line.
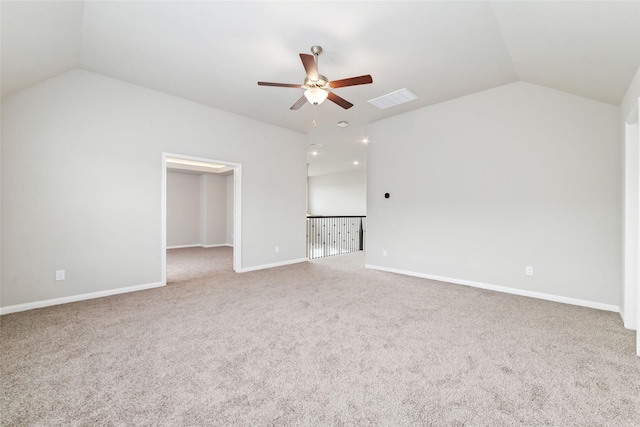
(318,87)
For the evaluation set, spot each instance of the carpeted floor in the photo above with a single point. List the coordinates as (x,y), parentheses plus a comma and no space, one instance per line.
(317,343)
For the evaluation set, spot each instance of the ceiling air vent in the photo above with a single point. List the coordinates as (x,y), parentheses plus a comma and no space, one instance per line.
(392,99)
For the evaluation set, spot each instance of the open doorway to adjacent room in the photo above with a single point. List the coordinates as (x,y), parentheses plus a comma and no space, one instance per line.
(201,215)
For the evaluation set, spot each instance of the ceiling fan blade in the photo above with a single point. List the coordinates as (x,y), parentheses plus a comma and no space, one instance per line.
(353,81)
(299,103)
(279,84)
(340,101)
(309,66)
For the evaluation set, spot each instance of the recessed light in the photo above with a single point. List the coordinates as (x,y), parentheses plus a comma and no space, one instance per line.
(343,124)
(355,163)
(365,141)
(315,153)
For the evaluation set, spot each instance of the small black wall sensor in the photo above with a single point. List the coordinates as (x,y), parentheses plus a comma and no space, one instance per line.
(386,195)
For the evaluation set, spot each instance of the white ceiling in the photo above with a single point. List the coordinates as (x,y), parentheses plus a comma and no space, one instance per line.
(214,53)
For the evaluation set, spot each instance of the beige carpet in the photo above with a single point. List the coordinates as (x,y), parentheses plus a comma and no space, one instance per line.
(318,343)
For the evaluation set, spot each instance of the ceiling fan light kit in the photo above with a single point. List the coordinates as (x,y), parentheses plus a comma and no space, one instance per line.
(318,87)
(316,95)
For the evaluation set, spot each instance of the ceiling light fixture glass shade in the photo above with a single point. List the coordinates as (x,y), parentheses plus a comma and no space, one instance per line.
(315,95)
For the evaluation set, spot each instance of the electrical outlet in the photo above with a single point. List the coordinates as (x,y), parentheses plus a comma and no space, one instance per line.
(277,249)
(384,252)
(528,270)
(60,274)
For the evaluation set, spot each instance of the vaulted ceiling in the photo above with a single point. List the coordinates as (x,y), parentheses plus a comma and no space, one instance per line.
(214,52)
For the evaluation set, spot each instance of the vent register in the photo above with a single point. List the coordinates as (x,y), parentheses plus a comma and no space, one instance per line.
(392,99)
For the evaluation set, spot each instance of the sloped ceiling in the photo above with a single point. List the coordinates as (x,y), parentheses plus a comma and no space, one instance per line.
(214,53)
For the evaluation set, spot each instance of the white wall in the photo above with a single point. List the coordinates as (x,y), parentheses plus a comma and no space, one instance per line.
(82,184)
(183,209)
(487,184)
(196,209)
(214,209)
(630,100)
(342,193)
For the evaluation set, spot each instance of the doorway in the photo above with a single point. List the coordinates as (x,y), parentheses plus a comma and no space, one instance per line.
(204,165)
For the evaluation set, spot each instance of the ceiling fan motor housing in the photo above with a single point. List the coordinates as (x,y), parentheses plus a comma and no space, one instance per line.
(322,83)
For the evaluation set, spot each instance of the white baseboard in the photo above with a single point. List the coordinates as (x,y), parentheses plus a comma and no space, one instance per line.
(75,298)
(504,289)
(199,246)
(277,264)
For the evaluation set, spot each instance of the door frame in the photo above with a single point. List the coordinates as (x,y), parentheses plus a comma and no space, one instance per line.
(630,307)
